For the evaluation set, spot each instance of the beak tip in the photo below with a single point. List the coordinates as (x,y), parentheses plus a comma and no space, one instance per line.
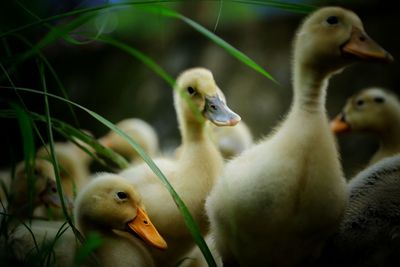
(163,246)
(389,57)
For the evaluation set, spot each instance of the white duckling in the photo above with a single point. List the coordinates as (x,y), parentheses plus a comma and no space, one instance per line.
(373,110)
(193,172)
(195,257)
(278,201)
(369,234)
(232,141)
(140,131)
(74,165)
(111,208)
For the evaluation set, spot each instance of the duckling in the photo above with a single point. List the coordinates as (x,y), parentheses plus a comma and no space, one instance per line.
(140,131)
(5,181)
(111,208)
(43,190)
(193,172)
(74,165)
(369,234)
(278,201)
(231,141)
(195,257)
(373,110)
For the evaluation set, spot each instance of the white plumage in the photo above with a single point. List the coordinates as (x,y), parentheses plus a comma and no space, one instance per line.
(277,202)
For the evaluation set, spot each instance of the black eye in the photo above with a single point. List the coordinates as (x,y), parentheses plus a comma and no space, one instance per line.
(360,102)
(332,20)
(190,90)
(122,195)
(379,100)
(36,172)
(53,189)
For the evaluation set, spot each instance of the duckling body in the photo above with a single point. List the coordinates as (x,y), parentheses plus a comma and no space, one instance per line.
(369,234)
(193,172)
(140,131)
(232,141)
(195,257)
(285,195)
(24,238)
(373,110)
(74,165)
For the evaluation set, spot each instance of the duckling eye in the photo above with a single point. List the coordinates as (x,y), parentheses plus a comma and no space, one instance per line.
(379,100)
(190,90)
(53,189)
(122,195)
(332,20)
(360,103)
(36,172)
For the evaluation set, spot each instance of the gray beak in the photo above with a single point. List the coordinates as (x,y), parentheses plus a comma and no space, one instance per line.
(219,113)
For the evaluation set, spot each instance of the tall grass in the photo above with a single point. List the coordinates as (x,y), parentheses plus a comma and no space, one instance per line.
(56,27)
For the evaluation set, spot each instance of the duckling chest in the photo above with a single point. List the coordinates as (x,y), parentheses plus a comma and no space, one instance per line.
(288,177)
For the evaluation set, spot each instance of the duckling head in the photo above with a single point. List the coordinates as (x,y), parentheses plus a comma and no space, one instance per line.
(332,38)
(42,183)
(373,110)
(197,97)
(109,202)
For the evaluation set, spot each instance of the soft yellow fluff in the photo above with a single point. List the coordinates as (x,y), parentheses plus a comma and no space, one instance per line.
(73,163)
(140,131)
(100,209)
(41,184)
(277,202)
(193,172)
(195,258)
(232,141)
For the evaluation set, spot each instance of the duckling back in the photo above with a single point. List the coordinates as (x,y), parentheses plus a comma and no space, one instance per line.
(369,234)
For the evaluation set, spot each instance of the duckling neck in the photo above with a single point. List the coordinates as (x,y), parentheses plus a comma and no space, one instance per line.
(309,89)
(192,130)
(390,138)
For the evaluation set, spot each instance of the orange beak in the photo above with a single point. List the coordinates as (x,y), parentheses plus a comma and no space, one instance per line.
(338,125)
(363,47)
(142,226)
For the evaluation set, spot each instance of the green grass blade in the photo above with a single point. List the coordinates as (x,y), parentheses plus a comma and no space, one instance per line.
(28,142)
(292,7)
(301,8)
(140,56)
(213,37)
(71,134)
(84,11)
(53,72)
(51,144)
(153,66)
(189,221)
(93,241)
(78,235)
(55,34)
